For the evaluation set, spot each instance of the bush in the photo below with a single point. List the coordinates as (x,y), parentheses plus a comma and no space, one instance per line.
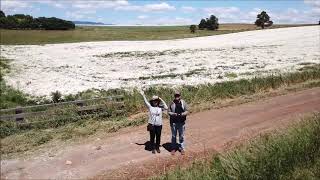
(56,96)
(193,28)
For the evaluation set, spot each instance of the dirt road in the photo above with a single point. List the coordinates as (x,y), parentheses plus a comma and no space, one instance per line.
(206,130)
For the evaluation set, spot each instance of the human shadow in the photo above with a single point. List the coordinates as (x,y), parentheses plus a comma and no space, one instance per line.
(147,145)
(169,147)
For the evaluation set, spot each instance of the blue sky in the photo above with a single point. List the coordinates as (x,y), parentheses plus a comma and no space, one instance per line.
(161,12)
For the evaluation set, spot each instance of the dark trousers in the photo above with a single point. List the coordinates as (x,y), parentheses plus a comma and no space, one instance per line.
(155,134)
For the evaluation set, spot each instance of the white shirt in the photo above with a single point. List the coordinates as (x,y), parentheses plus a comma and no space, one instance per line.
(155,116)
(155,113)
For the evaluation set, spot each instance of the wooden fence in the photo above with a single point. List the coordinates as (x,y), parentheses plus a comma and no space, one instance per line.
(82,107)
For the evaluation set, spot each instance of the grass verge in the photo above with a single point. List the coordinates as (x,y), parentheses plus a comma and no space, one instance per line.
(283,155)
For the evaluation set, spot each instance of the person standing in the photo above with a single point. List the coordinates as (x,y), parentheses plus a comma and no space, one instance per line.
(155,120)
(178,111)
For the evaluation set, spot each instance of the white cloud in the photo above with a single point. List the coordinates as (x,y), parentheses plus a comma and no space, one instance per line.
(97,4)
(314,3)
(75,15)
(81,14)
(314,14)
(188,9)
(224,14)
(162,7)
(159,7)
(14,6)
(164,21)
(222,10)
(53,3)
(143,17)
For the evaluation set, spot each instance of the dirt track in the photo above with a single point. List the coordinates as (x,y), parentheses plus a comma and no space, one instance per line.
(206,130)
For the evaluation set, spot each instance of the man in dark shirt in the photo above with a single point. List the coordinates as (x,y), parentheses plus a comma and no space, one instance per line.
(178,111)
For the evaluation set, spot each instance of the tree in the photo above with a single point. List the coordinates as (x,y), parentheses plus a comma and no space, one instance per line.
(193,28)
(212,23)
(209,23)
(21,21)
(2,14)
(202,25)
(263,20)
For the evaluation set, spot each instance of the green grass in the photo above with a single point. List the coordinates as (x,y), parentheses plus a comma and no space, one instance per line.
(9,97)
(30,139)
(84,34)
(231,75)
(288,154)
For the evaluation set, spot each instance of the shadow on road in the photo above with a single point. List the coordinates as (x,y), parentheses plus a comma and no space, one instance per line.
(147,145)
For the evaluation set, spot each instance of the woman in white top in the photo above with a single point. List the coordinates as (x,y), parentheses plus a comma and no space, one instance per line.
(155,120)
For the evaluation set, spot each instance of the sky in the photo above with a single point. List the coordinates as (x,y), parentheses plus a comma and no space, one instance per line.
(162,12)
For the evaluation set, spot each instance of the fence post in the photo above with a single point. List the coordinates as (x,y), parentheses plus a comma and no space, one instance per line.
(19,111)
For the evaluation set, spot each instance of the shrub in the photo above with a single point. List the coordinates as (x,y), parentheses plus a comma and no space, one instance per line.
(56,96)
(193,28)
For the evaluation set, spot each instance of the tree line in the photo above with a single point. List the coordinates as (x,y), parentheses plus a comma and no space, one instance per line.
(21,21)
(212,23)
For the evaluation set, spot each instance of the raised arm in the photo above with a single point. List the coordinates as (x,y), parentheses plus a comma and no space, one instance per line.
(165,107)
(145,99)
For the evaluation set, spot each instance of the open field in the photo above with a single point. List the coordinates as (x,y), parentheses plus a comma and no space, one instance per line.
(116,33)
(70,68)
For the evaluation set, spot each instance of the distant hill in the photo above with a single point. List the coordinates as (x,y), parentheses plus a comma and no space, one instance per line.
(89,23)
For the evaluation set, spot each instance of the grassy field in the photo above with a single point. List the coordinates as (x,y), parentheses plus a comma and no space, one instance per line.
(21,138)
(84,34)
(289,154)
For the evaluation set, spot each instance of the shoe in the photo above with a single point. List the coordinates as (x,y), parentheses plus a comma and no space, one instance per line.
(173,152)
(182,152)
(158,150)
(153,151)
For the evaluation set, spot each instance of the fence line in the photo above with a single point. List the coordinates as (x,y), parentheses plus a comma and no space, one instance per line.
(110,98)
(81,107)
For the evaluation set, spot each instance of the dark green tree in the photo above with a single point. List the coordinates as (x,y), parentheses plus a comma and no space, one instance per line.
(193,28)
(203,24)
(21,21)
(2,14)
(263,20)
(212,23)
